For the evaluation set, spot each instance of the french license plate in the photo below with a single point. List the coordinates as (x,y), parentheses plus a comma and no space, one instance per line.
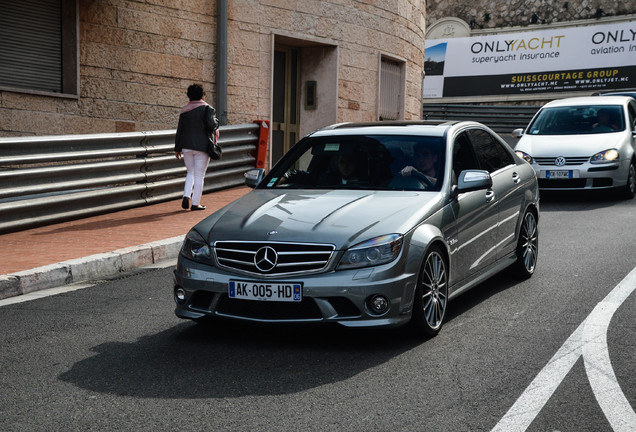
(558,174)
(273,291)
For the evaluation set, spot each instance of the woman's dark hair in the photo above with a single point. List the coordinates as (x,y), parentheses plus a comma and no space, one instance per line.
(195,92)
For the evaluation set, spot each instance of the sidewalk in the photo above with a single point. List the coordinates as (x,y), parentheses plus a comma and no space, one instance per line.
(99,246)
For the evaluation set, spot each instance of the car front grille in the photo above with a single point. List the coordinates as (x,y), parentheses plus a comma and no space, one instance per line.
(272,258)
(568,160)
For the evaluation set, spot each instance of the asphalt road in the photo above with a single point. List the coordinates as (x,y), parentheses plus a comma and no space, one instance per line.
(114,357)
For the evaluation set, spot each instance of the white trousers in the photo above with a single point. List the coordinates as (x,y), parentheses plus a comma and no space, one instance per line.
(196,163)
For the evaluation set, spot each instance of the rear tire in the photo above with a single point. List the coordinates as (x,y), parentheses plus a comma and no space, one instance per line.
(431,294)
(527,246)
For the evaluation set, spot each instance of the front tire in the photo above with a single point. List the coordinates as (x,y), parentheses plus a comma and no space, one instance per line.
(527,246)
(431,294)
(630,187)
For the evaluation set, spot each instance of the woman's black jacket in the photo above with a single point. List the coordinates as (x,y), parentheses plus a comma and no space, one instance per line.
(194,128)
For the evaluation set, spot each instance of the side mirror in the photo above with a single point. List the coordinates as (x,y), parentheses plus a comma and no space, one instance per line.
(472,180)
(517,133)
(254,176)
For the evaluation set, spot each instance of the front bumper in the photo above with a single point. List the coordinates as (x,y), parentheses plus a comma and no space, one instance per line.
(332,297)
(582,177)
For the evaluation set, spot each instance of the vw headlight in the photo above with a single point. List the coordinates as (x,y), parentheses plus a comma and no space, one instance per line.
(379,250)
(196,248)
(606,156)
(525,156)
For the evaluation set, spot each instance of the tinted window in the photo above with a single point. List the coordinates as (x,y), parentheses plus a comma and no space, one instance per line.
(463,155)
(490,153)
(380,162)
(632,115)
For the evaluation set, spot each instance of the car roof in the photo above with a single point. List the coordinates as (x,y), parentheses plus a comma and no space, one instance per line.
(400,127)
(630,93)
(589,100)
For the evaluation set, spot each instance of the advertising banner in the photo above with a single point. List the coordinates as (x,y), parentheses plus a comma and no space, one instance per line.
(593,58)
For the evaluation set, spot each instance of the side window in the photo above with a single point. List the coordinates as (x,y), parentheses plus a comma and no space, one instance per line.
(463,155)
(632,115)
(490,153)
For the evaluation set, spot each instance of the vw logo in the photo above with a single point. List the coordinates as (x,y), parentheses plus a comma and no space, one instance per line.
(265,259)
(560,161)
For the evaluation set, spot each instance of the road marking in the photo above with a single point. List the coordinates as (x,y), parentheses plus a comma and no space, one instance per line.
(596,357)
(44,293)
(71,287)
(590,341)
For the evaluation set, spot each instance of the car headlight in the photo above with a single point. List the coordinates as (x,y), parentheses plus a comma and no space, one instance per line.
(196,248)
(379,250)
(606,156)
(525,156)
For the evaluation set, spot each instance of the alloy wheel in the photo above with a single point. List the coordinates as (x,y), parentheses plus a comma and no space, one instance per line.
(434,290)
(529,242)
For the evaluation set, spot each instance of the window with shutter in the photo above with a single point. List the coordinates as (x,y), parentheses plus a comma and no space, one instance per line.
(38,45)
(391,90)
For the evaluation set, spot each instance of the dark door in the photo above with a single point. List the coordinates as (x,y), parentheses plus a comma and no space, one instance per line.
(285,101)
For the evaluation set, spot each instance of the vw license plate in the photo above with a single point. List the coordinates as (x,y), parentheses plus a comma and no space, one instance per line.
(273,291)
(558,174)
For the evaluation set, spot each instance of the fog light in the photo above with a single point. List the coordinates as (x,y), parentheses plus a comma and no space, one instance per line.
(180,294)
(379,304)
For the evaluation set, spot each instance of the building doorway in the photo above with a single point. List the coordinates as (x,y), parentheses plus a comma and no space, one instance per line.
(286,100)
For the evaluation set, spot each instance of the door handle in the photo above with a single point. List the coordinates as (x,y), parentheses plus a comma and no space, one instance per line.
(490,195)
(515,178)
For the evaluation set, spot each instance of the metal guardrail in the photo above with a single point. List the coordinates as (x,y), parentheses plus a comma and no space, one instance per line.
(45,180)
(500,118)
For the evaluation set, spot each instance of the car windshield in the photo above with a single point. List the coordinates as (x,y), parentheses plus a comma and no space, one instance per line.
(575,120)
(378,162)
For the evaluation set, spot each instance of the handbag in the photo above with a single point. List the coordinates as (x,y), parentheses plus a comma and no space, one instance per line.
(214,150)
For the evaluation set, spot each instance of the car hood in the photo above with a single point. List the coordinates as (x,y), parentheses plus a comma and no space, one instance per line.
(342,217)
(569,145)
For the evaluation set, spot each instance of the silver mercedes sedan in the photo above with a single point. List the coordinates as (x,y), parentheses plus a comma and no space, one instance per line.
(365,224)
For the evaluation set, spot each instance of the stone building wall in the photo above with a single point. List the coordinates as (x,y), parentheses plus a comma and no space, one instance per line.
(138,57)
(489,14)
(360,29)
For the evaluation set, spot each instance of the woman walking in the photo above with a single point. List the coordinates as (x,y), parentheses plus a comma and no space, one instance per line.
(196,122)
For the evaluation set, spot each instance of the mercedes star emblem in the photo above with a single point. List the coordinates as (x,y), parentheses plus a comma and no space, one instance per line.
(265,259)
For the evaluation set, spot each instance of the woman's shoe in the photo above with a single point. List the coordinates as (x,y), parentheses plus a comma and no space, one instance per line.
(185,203)
(197,207)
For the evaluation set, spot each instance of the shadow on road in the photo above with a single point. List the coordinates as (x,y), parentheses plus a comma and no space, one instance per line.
(226,359)
(233,360)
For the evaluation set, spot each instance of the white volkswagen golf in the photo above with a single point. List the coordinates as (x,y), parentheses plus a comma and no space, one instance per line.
(583,143)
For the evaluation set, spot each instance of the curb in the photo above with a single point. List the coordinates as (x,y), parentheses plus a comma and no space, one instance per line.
(93,267)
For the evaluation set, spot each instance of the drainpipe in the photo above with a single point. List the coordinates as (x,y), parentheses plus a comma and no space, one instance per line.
(221,62)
